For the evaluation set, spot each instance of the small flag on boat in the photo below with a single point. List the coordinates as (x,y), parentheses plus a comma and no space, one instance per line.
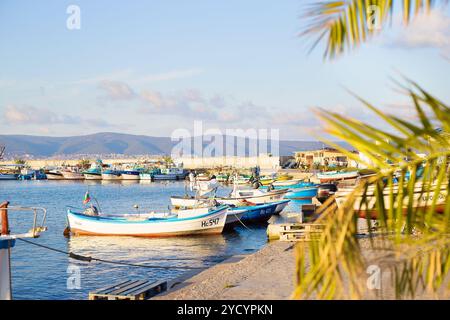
(87,198)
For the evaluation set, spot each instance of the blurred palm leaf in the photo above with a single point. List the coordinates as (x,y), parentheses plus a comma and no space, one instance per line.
(347,23)
(408,197)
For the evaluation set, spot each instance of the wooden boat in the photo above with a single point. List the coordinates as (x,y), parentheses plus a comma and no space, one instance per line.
(252,196)
(94,172)
(170,174)
(150,225)
(72,174)
(325,177)
(420,199)
(287,183)
(130,175)
(295,186)
(302,193)
(9,176)
(231,218)
(258,213)
(9,172)
(284,177)
(111,175)
(222,178)
(54,174)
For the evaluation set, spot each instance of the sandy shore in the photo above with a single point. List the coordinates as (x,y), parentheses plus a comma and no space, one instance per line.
(266,274)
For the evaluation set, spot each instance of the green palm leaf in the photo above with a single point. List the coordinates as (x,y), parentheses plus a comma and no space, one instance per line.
(346,24)
(413,214)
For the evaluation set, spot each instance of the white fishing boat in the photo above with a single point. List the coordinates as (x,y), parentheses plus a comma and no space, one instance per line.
(173,173)
(54,175)
(236,198)
(130,175)
(72,174)
(8,176)
(149,225)
(9,172)
(94,172)
(286,183)
(366,206)
(111,175)
(325,177)
(232,216)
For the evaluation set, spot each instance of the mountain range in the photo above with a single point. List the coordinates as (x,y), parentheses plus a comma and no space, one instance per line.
(112,143)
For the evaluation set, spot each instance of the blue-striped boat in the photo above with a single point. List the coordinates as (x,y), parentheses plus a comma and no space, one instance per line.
(295,186)
(302,193)
(259,213)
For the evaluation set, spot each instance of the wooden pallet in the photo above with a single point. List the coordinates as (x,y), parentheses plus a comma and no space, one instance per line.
(301,232)
(129,290)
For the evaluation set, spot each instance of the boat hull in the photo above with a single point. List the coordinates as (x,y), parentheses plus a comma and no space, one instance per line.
(72,175)
(188,202)
(259,213)
(8,176)
(211,223)
(126,176)
(301,194)
(111,177)
(168,177)
(54,176)
(93,176)
(329,177)
(146,176)
(420,200)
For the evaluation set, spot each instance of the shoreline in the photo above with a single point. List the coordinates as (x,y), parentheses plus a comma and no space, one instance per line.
(240,277)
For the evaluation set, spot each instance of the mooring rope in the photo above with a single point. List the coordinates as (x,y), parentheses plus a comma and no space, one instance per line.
(89,259)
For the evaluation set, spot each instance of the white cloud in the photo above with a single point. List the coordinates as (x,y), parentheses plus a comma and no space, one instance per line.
(116,90)
(30,115)
(170,75)
(426,31)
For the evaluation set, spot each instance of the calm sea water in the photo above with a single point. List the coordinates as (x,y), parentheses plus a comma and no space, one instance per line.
(42,274)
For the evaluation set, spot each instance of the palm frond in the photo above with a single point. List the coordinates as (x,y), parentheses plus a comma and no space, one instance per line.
(408,197)
(346,24)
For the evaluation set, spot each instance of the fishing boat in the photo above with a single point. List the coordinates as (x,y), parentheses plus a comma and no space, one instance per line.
(9,172)
(301,184)
(72,173)
(302,193)
(173,173)
(365,205)
(222,178)
(54,175)
(231,219)
(258,213)
(266,180)
(8,176)
(111,174)
(94,172)
(147,174)
(236,198)
(284,177)
(130,175)
(240,180)
(149,225)
(287,183)
(331,176)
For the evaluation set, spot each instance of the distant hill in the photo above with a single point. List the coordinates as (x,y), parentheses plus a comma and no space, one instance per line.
(110,143)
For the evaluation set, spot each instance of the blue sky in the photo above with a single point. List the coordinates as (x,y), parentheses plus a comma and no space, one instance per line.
(149,67)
